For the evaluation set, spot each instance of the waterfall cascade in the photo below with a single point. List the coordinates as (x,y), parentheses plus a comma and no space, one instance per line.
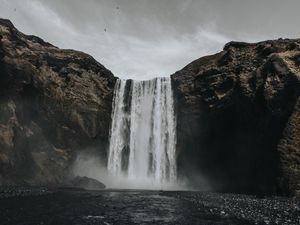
(143,131)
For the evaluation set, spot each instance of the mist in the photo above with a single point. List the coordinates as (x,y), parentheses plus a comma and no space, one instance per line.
(88,163)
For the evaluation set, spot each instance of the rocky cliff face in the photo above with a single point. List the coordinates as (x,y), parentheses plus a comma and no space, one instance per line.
(238,113)
(53,103)
(239,119)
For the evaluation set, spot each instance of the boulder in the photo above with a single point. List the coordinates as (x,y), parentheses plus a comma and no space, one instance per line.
(85,183)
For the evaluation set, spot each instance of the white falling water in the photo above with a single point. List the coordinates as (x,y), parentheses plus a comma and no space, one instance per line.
(143,132)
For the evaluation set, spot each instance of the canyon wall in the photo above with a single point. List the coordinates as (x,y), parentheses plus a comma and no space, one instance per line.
(53,103)
(238,118)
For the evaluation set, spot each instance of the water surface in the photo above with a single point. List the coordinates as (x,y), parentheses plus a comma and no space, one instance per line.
(68,206)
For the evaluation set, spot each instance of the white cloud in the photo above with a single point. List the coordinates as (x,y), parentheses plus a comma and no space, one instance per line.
(130,57)
(127,56)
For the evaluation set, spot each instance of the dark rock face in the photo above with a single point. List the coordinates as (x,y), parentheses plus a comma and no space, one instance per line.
(53,103)
(238,117)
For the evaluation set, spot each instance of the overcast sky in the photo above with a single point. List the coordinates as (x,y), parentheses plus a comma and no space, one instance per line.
(142,39)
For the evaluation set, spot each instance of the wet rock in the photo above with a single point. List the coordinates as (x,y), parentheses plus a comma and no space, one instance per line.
(84,182)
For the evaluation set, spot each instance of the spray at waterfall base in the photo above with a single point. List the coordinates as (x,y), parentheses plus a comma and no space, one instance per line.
(142,150)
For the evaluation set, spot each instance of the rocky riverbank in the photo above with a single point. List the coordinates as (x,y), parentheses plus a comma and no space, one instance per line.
(54,206)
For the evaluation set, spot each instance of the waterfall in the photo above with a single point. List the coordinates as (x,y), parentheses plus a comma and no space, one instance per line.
(143,131)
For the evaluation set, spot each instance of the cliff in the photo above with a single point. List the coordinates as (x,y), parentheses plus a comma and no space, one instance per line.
(53,103)
(238,114)
(239,120)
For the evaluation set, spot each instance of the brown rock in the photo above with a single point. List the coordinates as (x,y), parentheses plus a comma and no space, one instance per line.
(232,110)
(53,103)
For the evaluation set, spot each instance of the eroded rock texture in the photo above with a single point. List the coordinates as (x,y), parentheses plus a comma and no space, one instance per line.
(238,117)
(53,103)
